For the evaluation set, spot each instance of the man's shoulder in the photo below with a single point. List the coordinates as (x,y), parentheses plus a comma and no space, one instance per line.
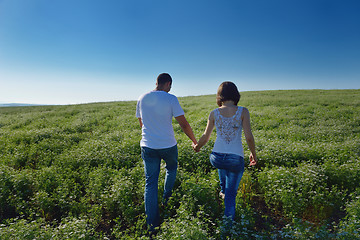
(169,95)
(144,95)
(163,93)
(155,96)
(159,94)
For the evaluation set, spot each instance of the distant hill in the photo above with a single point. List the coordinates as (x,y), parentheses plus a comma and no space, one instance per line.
(17,105)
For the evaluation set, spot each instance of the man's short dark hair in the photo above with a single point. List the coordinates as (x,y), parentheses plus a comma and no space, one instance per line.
(227,91)
(163,78)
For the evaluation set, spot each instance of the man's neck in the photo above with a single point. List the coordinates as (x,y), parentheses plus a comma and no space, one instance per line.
(161,89)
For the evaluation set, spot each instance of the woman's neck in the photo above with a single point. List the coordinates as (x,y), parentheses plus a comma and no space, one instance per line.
(228,104)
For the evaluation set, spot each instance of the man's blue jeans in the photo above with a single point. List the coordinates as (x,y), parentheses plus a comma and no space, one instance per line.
(152,159)
(231,169)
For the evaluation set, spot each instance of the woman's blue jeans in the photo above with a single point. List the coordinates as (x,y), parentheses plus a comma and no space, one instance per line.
(231,169)
(152,159)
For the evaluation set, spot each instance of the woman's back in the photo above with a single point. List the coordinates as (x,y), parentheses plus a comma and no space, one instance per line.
(228,111)
(229,129)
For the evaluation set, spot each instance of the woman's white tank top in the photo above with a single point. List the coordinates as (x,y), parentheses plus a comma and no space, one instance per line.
(229,130)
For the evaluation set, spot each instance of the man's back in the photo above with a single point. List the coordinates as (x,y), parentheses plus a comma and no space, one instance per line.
(156,110)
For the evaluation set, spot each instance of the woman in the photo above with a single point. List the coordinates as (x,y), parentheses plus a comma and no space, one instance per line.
(228,155)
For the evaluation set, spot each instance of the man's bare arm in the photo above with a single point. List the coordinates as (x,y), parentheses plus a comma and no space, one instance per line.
(185,126)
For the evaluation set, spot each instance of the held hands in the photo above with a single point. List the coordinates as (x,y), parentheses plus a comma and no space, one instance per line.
(195,147)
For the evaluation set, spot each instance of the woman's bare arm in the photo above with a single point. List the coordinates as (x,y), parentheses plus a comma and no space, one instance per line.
(249,136)
(206,135)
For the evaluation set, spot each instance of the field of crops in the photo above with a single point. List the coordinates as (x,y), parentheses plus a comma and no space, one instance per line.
(75,172)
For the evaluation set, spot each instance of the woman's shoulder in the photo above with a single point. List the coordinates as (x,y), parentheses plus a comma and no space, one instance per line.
(216,110)
(244,112)
(213,113)
(243,108)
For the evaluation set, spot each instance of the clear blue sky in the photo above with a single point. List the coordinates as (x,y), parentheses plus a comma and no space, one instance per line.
(79,51)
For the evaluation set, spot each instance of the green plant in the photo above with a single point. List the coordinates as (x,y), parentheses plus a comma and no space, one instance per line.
(300,192)
(349,227)
(76,171)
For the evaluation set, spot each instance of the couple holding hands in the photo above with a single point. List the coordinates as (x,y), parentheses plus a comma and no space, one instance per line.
(155,111)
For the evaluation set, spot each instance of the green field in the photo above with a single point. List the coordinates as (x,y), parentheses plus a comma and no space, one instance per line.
(75,172)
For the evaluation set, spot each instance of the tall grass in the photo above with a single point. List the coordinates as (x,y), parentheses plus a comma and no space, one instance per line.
(76,172)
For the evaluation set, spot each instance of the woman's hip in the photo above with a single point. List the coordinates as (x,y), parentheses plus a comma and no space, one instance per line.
(227,161)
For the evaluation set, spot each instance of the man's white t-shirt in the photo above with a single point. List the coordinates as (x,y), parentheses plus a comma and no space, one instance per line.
(156,110)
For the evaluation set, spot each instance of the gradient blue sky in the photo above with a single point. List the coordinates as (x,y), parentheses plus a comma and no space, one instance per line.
(79,51)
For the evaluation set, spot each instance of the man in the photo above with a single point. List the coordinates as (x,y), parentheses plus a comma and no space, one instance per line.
(155,111)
